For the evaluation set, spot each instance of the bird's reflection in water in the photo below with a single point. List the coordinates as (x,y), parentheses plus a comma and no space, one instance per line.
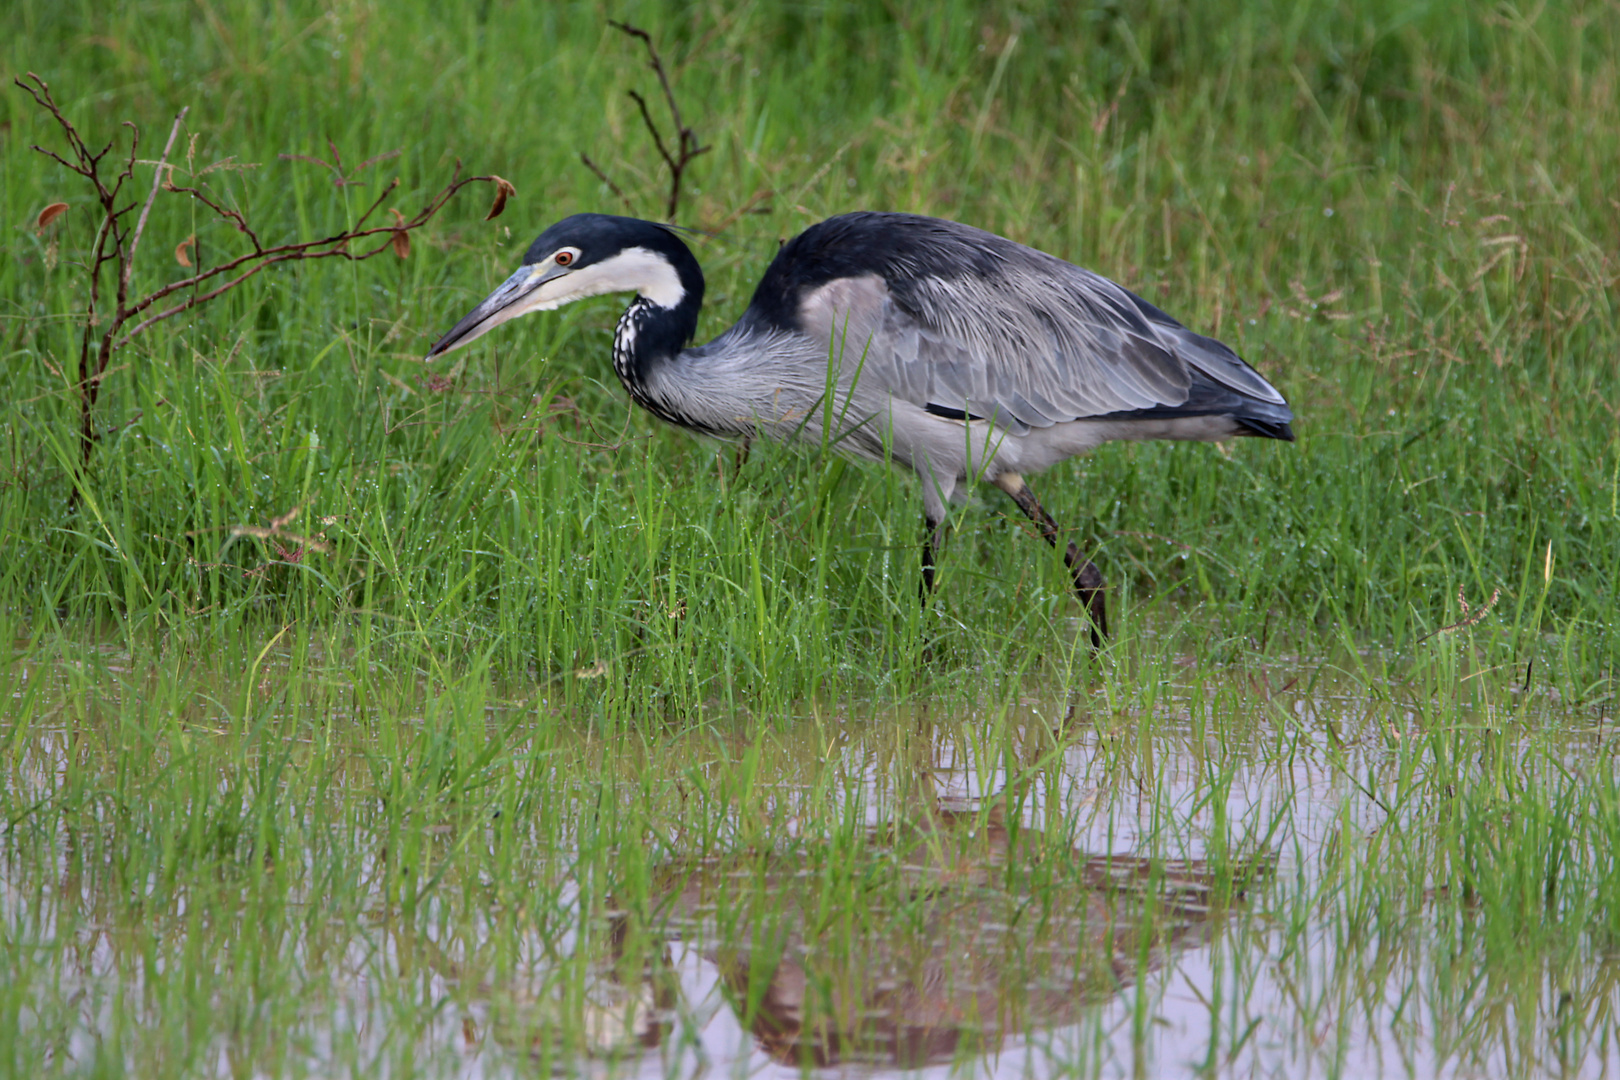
(943,937)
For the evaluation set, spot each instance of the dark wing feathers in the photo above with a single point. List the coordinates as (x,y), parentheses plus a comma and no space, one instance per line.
(976,324)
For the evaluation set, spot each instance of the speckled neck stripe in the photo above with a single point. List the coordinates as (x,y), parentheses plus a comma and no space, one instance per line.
(626,363)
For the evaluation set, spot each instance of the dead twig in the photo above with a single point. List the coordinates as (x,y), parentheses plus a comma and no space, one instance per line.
(1470,617)
(146,210)
(602,176)
(687,146)
(273,535)
(117,240)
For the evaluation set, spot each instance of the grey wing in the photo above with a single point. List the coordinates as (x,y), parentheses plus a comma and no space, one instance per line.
(1041,342)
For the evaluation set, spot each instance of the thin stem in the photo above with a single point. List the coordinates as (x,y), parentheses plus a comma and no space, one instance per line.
(146,210)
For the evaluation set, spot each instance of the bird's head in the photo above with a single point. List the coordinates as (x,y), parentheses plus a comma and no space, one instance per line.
(581,256)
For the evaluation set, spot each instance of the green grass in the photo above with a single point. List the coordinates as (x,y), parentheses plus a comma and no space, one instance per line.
(252,785)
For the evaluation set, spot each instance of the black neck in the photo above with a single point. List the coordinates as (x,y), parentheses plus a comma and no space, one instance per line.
(650,335)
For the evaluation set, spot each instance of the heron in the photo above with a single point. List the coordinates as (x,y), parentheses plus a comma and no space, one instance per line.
(939,347)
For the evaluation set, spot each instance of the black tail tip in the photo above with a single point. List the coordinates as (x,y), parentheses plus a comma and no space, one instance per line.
(1265,429)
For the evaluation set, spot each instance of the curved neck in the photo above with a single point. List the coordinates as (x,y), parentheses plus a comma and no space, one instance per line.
(650,334)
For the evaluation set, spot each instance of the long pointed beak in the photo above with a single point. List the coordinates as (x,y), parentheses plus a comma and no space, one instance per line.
(506,302)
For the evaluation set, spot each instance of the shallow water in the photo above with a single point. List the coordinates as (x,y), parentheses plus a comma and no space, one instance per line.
(1238,993)
(1242,891)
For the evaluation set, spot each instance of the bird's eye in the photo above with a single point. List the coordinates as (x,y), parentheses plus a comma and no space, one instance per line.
(563,258)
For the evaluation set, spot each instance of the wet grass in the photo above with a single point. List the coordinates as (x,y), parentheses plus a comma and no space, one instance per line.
(451,879)
(407,782)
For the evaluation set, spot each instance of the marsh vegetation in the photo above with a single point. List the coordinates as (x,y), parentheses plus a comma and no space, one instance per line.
(365,716)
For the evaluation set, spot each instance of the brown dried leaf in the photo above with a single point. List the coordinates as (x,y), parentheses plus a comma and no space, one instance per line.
(503,190)
(180,255)
(401,239)
(50,214)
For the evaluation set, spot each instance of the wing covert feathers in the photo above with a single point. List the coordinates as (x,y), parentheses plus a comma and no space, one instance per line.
(949,316)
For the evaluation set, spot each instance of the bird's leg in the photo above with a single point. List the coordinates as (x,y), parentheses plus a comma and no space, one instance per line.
(933,538)
(739,458)
(1088,580)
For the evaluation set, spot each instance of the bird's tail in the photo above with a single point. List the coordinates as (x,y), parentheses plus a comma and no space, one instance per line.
(1264,429)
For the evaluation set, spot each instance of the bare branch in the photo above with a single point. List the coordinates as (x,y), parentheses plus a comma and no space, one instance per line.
(235,217)
(372,209)
(42,97)
(117,240)
(602,176)
(652,129)
(746,208)
(658,67)
(59,159)
(151,196)
(326,248)
(687,146)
